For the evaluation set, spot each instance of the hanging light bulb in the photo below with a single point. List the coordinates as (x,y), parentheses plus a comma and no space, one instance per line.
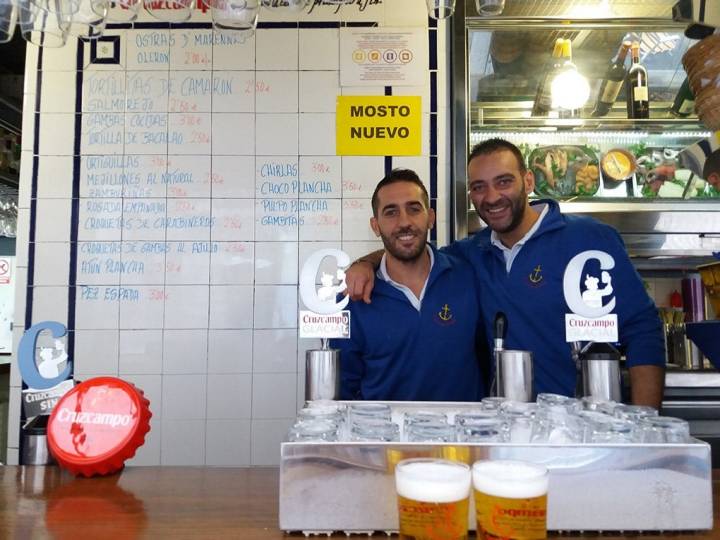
(440,9)
(569,89)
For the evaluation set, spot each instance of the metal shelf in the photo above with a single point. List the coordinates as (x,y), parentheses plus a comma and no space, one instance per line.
(516,116)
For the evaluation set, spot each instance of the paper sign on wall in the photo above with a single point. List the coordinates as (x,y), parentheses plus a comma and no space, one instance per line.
(383,56)
(378,125)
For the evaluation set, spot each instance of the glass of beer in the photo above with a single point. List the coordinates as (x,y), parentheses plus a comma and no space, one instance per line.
(510,499)
(433,497)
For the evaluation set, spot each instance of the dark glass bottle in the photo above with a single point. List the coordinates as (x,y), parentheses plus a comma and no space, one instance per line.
(638,91)
(684,104)
(612,82)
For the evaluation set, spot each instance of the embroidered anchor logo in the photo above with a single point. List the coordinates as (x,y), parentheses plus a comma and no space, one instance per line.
(445,314)
(535,276)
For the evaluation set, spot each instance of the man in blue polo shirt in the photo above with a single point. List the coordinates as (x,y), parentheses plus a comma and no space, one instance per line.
(417,338)
(521,263)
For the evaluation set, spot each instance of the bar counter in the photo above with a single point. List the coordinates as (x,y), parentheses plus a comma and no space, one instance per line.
(169,502)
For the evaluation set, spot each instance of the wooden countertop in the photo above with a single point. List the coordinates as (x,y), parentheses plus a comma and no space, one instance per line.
(167,502)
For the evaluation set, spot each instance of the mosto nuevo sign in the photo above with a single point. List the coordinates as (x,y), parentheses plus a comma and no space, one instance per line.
(378,125)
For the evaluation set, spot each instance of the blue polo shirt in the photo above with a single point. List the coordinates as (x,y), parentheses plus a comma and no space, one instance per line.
(530,293)
(399,353)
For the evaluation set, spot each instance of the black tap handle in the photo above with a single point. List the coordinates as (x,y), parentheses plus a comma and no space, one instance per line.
(500,325)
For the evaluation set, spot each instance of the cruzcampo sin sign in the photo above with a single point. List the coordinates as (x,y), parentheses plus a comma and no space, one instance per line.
(378,125)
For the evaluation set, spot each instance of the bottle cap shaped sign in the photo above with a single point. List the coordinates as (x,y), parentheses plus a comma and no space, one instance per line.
(98,425)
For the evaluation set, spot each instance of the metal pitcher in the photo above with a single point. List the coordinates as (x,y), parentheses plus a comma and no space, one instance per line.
(600,372)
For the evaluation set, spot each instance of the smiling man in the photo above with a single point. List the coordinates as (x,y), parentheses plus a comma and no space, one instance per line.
(418,338)
(521,261)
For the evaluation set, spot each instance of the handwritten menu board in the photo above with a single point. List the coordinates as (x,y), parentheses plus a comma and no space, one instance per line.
(203,172)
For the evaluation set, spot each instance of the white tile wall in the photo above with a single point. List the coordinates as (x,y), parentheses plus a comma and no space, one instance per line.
(184,351)
(206,323)
(229,396)
(230,351)
(228,443)
(184,397)
(140,352)
(183,442)
(96,351)
(274,351)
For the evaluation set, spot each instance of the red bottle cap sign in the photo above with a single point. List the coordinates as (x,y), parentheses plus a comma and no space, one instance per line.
(98,425)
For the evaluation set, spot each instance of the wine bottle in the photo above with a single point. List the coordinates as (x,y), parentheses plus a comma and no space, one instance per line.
(638,94)
(612,81)
(543,98)
(684,104)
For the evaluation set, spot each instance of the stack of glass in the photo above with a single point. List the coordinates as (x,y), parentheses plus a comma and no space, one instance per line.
(552,419)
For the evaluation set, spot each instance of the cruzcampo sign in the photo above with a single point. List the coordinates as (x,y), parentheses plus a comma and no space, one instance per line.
(378,126)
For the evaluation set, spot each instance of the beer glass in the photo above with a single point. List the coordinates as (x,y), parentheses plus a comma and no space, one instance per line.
(433,497)
(313,430)
(510,499)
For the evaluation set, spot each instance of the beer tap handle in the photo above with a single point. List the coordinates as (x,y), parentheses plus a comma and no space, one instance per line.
(500,330)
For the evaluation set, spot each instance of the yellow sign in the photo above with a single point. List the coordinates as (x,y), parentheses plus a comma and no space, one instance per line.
(378,125)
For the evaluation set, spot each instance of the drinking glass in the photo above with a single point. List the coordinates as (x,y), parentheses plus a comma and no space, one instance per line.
(8,20)
(416,417)
(315,430)
(121,10)
(483,430)
(90,18)
(600,405)
(554,425)
(664,429)
(634,412)
(492,403)
(430,432)
(472,416)
(433,499)
(320,413)
(375,429)
(360,411)
(172,11)
(45,23)
(613,430)
(510,499)
(236,15)
(519,417)
(440,9)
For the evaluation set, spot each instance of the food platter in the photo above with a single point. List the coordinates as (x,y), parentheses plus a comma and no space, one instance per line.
(565,171)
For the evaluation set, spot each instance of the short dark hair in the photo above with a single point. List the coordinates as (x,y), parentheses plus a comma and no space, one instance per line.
(399,175)
(491,146)
(712,164)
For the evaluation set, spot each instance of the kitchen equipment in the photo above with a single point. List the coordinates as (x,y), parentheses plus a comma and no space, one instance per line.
(322,373)
(600,371)
(515,375)
(35,449)
(499,333)
(693,298)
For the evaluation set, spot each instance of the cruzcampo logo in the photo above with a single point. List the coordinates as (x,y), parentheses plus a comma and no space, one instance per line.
(41,371)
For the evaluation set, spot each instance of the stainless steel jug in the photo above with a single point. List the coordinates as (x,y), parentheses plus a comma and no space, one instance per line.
(600,372)
(514,376)
(322,374)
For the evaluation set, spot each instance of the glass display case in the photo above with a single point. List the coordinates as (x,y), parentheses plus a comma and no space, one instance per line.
(606,130)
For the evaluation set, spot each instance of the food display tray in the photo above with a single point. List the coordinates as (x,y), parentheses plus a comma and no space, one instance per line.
(346,486)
